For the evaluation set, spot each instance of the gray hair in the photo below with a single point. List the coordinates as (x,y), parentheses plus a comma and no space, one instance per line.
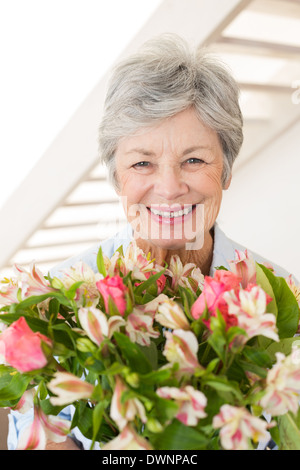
(164,78)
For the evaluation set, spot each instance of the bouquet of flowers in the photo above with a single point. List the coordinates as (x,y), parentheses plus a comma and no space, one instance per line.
(153,357)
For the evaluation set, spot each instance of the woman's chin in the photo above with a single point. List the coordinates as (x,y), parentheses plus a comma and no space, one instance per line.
(170,244)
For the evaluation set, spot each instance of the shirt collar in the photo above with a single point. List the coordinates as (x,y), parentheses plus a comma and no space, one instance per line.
(222,252)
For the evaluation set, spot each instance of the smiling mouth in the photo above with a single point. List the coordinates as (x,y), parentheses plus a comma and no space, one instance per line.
(169,214)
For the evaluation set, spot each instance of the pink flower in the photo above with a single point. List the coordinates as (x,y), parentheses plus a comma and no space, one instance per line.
(191,403)
(181,347)
(22,348)
(43,428)
(212,296)
(68,389)
(283,386)
(123,412)
(113,287)
(249,307)
(244,266)
(128,439)
(140,328)
(238,427)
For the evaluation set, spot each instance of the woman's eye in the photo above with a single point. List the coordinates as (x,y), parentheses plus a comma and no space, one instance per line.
(141,165)
(194,160)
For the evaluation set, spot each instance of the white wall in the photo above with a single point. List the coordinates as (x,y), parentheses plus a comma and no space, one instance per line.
(261,209)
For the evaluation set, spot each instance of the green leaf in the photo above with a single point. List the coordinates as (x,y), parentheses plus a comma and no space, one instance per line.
(136,359)
(263,281)
(250,367)
(150,353)
(258,356)
(34,323)
(289,432)
(217,341)
(234,331)
(288,309)
(177,436)
(146,284)
(36,299)
(156,377)
(97,420)
(71,292)
(64,334)
(49,409)
(223,385)
(83,418)
(100,263)
(112,308)
(284,346)
(12,384)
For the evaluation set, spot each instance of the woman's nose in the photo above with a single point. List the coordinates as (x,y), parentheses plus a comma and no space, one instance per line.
(169,184)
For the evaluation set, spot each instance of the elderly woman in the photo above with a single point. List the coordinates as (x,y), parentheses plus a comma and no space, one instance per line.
(171,131)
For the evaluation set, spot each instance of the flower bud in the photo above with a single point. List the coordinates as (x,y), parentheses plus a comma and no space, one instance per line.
(154,425)
(133,379)
(85,345)
(56,283)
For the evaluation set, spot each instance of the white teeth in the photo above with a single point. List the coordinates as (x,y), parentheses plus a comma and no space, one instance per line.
(170,215)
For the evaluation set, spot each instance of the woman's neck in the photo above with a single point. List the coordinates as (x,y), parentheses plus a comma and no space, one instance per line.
(202,257)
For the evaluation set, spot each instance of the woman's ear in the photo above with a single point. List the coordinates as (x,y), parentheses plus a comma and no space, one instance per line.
(227,184)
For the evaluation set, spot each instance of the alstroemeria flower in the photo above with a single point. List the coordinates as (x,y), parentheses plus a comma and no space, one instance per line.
(96,324)
(113,287)
(171,315)
(26,402)
(180,274)
(283,386)
(9,292)
(238,427)
(122,413)
(212,296)
(244,266)
(128,439)
(150,308)
(68,388)
(191,403)
(194,281)
(181,347)
(43,428)
(32,282)
(139,328)
(136,262)
(87,294)
(249,306)
(22,348)
(112,264)
(23,285)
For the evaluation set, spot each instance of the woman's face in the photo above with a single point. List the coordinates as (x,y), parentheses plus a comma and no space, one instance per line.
(170,181)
